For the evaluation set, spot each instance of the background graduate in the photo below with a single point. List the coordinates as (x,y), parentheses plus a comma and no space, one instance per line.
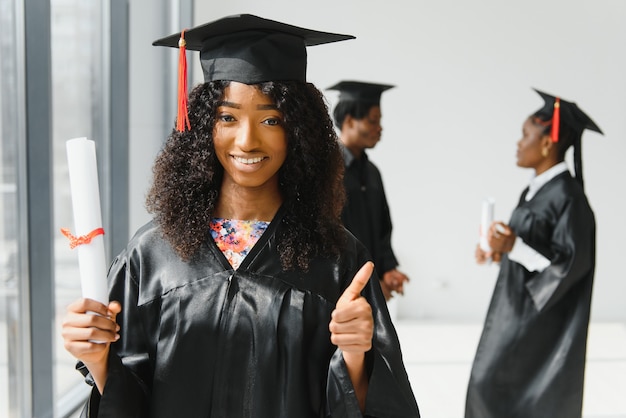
(245,296)
(530,360)
(358,116)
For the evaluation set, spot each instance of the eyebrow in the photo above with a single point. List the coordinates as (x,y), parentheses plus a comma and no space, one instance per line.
(267,107)
(229,104)
(238,106)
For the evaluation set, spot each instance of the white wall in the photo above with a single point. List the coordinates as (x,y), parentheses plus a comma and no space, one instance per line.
(464,72)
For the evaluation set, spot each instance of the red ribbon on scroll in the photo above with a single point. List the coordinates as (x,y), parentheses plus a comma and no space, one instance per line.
(83,239)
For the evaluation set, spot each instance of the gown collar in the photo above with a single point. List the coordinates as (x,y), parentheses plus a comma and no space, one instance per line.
(348,157)
(537,182)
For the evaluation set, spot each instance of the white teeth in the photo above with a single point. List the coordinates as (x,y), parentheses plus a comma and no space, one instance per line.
(248,160)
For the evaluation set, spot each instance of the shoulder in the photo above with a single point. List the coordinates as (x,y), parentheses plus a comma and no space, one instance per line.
(567,189)
(148,235)
(154,267)
(562,194)
(353,254)
(371,167)
(147,241)
(353,246)
(329,276)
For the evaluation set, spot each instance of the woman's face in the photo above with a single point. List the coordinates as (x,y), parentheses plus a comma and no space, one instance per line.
(530,146)
(249,137)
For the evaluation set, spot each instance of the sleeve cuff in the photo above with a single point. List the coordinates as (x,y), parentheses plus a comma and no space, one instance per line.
(525,255)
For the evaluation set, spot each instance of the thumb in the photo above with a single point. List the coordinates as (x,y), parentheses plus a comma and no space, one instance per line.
(113,309)
(359,281)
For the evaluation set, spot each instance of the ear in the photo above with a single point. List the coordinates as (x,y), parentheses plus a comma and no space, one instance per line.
(546,142)
(348,123)
(549,149)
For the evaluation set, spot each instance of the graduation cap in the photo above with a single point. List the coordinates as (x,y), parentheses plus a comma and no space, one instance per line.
(561,113)
(245,48)
(359,91)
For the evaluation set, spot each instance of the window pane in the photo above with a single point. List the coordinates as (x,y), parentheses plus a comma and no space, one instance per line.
(77,104)
(10,331)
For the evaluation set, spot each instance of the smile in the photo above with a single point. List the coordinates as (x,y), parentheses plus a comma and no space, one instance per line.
(248,160)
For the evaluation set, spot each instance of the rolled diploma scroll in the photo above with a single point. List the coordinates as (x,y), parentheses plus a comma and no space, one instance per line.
(83,170)
(485,221)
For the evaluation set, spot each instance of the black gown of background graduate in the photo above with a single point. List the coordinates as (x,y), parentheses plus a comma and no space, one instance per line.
(531,357)
(200,339)
(366,212)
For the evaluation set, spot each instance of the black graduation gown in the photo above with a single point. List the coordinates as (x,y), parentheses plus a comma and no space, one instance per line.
(366,212)
(530,360)
(199,339)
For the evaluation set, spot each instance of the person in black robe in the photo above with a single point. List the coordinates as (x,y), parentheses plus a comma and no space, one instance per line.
(530,360)
(244,296)
(357,115)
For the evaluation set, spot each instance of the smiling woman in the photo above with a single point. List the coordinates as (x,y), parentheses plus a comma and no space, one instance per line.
(245,296)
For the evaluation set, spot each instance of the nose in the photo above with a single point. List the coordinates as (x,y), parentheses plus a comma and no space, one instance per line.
(246,136)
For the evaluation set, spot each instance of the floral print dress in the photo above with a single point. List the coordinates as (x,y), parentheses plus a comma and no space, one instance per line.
(236,237)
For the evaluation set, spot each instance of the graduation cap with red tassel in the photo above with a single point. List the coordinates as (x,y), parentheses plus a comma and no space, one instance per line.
(560,114)
(244,48)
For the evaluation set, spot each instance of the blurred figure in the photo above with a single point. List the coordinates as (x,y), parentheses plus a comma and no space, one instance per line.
(366,214)
(530,360)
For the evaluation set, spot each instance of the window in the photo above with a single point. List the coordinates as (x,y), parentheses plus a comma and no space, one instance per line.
(66,94)
(78,110)
(12,331)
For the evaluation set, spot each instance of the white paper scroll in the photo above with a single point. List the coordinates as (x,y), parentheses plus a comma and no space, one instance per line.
(485,221)
(83,170)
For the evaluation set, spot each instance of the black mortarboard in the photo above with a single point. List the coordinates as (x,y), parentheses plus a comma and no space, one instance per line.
(244,48)
(558,113)
(568,113)
(359,91)
(251,49)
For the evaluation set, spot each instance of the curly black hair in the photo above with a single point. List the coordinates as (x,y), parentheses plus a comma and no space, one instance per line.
(188,176)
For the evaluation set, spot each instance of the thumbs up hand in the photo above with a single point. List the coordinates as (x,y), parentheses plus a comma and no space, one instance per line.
(352,323)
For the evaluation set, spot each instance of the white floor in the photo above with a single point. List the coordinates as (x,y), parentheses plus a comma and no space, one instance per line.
(438,358)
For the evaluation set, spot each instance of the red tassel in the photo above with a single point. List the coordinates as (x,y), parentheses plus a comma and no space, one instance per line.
(556,120)
(182,119)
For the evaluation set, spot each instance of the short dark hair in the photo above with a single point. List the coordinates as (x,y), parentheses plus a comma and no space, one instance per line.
(356,109)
